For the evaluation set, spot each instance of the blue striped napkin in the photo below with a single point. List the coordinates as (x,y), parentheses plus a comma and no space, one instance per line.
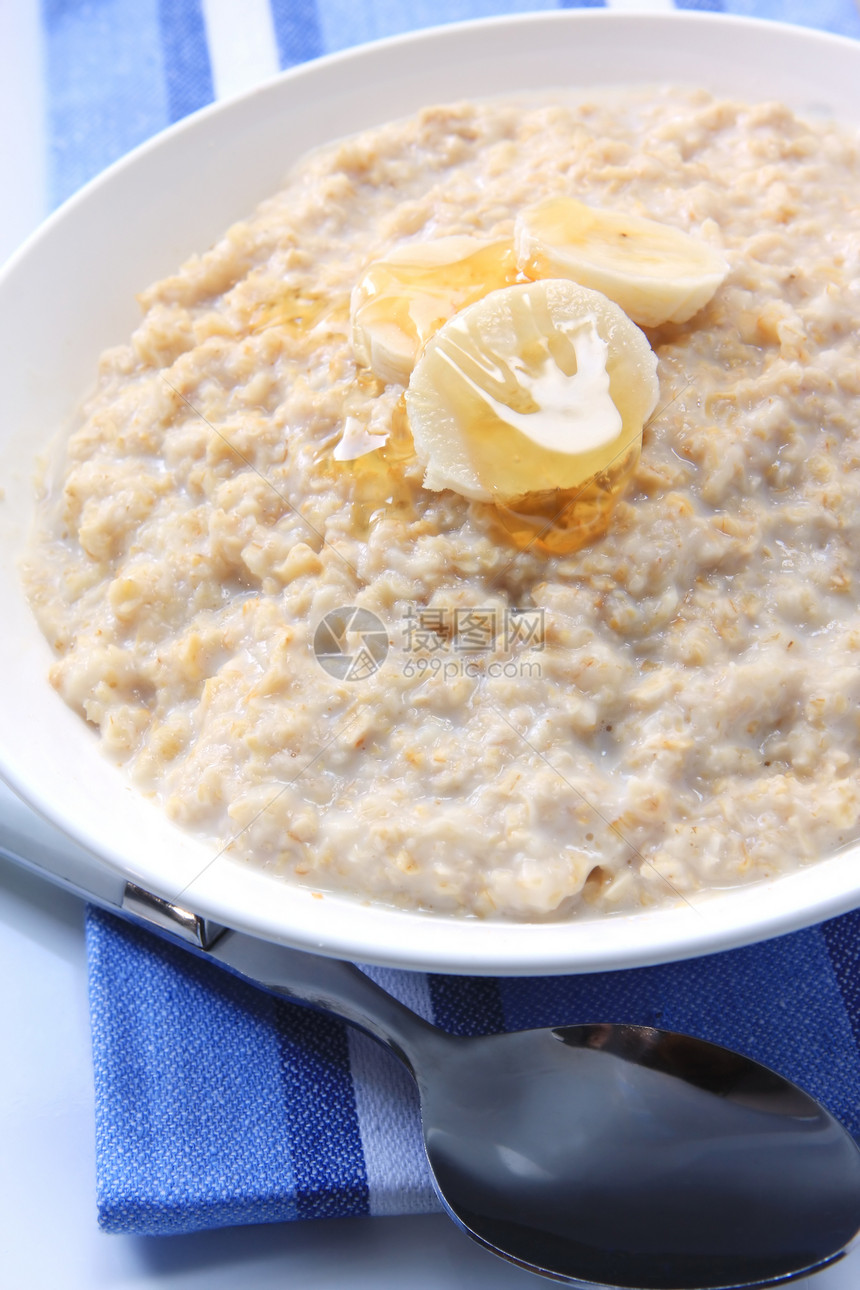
(118,72)
(216,1105)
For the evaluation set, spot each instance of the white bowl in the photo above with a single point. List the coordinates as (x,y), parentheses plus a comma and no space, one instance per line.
(70,292)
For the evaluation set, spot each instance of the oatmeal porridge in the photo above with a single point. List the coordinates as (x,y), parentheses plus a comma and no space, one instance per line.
(536,731)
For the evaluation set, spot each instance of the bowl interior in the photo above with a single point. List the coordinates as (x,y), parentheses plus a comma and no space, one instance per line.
(70,292)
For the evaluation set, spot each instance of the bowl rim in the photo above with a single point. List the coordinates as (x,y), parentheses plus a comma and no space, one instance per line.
(707,923)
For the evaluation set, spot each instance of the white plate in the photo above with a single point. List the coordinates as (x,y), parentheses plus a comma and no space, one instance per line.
(70,292)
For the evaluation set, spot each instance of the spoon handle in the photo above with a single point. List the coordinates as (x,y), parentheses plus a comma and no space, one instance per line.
(329,985)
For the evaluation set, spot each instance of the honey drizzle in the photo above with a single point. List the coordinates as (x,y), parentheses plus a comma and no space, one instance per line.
(298,312)
(555,521)
(559,521)
(377,478)
(418,298)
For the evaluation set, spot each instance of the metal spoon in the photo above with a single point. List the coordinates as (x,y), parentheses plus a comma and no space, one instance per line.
(604,1155)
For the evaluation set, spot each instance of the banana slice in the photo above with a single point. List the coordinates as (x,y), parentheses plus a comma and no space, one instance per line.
(655,272)
(536,387)
(399,302)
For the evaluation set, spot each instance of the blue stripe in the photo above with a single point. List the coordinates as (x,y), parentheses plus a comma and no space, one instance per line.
(838,16)
(191,1131)
(777,1002)
(466,1005)
(842,938)
(297,31)
(344,23)
(105,85)
(704,6)
(187,67)
(325,1141)
(582,4)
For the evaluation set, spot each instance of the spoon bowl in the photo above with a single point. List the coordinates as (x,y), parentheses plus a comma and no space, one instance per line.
(627,1156)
